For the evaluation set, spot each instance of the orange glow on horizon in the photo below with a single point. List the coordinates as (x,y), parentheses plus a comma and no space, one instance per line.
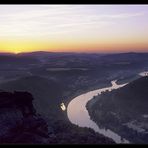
(74,45)
(73,28)
(71,47)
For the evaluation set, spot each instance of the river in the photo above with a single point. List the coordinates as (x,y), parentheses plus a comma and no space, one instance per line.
(78,114)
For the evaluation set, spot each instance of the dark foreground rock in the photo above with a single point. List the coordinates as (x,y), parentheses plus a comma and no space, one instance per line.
(67,133)
(20,124)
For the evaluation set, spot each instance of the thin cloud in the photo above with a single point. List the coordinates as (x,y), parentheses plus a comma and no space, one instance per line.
(53,19)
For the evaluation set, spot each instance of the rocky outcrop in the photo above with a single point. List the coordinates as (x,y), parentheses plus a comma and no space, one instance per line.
(19,122)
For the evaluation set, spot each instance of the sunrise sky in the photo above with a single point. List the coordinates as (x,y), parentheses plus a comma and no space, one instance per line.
(73,28)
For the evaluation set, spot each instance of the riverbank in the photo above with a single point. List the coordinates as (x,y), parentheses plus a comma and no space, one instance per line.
(124,112)
(66,132)
(74,114)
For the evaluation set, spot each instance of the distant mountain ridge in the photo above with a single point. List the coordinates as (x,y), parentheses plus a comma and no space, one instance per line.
(45,55)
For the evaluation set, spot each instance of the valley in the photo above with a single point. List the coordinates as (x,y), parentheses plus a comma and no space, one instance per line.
(55,78)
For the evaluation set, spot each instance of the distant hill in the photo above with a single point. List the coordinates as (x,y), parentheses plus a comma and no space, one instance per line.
(45,56)
(6,53)
(14,59)
(76,59)
(36,54)
(129,56)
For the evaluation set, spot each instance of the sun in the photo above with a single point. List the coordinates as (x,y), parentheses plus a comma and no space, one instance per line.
(16,51)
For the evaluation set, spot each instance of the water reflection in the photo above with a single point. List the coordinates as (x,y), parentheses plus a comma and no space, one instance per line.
(78,114)
(143,74)
(63,107)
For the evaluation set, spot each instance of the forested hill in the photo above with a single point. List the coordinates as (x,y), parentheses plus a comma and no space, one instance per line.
(123,110)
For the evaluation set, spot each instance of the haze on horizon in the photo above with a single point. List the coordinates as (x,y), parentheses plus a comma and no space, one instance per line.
(73,28)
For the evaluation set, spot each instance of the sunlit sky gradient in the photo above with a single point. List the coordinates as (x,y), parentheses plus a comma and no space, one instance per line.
(79,28)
